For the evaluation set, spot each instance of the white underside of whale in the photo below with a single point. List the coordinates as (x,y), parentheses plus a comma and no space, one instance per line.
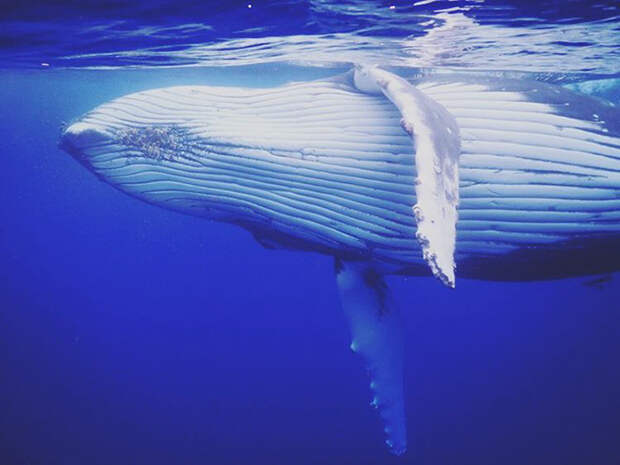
(325,163)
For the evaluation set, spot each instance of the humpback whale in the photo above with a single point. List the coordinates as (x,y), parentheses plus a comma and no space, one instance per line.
(449,175)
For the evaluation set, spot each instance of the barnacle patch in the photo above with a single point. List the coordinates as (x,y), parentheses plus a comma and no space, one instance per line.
(168,142)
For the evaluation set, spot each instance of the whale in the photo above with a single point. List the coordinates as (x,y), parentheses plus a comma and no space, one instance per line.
(441,174)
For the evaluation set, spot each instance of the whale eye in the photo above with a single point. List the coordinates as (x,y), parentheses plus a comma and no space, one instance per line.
(165,142)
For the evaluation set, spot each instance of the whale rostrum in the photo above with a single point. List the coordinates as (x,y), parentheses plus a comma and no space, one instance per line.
(450,175)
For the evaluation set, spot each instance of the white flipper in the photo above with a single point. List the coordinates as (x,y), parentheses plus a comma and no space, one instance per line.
(377,336)
(436,140)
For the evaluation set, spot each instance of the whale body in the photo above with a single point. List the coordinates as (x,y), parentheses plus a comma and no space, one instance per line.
(370,168)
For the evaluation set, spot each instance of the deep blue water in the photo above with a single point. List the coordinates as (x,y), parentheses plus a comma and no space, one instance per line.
(131,334)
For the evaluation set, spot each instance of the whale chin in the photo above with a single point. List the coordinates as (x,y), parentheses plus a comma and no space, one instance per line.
(79,138)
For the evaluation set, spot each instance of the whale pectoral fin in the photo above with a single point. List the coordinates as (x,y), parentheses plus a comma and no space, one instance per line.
(436,140)
(377,336)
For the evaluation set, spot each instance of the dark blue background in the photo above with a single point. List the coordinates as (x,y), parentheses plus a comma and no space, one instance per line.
(133,335)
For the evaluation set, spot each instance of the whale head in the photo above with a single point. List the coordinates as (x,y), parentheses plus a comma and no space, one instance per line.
(104,147)
(294,166)
(154,156)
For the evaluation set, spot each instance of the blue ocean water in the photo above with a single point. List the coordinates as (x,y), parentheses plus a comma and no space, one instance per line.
(131,334)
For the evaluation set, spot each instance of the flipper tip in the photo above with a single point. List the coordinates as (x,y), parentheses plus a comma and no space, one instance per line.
(396,449)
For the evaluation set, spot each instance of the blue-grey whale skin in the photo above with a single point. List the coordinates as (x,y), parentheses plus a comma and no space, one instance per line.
(330,166)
